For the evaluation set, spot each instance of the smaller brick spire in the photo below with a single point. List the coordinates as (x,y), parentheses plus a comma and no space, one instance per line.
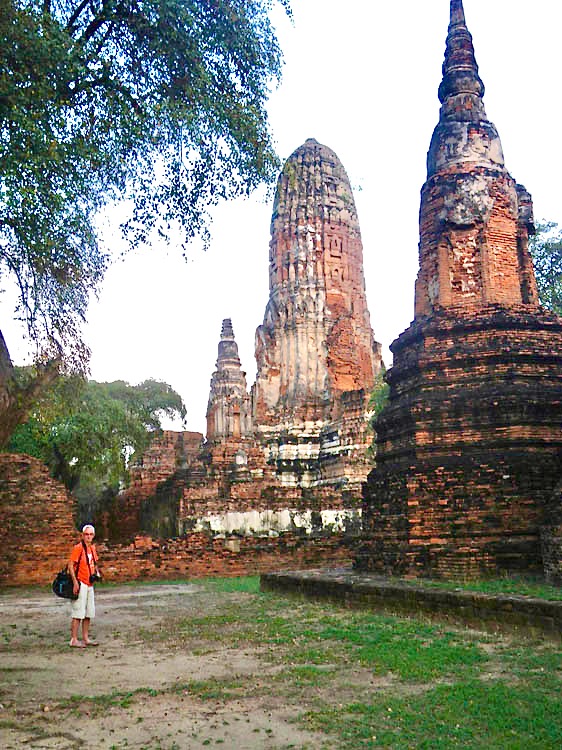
(228,348)
(461,89)
(228,410)
(457,13)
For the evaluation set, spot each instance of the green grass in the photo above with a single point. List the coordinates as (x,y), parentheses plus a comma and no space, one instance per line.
(475,714)
(510,586)
(405,648)
(239,584)
(210,690)
(117,698)
(448,688)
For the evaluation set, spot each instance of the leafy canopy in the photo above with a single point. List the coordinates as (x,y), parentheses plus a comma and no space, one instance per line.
(546,252)
(86,431)
(161,102)
(380,396)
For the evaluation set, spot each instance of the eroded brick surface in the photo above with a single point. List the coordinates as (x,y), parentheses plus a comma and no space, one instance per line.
(316,341)
(36,522)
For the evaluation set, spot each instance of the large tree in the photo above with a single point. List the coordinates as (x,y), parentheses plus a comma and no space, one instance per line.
(546,252)
(86,431)
(161,102)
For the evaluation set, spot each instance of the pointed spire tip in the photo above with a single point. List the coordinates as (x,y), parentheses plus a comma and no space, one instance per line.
(457,13)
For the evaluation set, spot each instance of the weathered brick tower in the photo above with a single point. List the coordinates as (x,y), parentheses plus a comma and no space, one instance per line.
(469,449)
(229,409)
(316,354)
(316,340)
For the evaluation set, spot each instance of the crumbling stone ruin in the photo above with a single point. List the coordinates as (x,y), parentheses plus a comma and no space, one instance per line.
(469,449)
(290,455)
(36,522)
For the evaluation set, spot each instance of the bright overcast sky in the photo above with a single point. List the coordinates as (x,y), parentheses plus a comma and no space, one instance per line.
(361,77)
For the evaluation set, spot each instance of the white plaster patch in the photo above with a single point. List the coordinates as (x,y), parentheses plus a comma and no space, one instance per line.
(274,522)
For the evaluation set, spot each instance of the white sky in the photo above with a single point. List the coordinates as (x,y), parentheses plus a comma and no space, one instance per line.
(362,78)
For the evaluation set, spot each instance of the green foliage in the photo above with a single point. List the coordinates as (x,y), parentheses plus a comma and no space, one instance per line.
(517,586)
(85,431)
(379,396)
(161,102)
(377,401)
(546,252)
(247,584)
(474,715)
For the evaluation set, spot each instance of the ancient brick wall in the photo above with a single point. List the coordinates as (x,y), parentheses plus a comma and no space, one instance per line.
(37,533)
(36,522)
(469,449)
(234,485)
(551,538)
(198,555)
(169,452)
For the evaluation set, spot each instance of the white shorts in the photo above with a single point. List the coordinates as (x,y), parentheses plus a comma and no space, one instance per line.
(84,606)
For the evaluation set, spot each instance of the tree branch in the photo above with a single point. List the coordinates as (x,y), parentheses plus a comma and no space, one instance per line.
(74,17)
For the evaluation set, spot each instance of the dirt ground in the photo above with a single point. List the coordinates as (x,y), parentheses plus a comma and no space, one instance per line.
(40,675)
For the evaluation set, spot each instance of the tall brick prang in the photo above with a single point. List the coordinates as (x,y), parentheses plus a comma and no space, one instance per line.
(316,340)
(469,449)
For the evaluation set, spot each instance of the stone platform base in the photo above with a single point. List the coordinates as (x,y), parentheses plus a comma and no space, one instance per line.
(496,613)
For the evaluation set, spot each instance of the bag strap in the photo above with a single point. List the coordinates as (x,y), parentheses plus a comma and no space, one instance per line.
(87,558)
(79,559)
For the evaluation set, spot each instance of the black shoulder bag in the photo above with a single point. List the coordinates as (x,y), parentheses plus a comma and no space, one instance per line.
(63,585)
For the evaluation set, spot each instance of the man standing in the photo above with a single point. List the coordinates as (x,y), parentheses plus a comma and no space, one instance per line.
(83,567)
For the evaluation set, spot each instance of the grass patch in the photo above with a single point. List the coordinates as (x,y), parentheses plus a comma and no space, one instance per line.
(306,675)
(115,699)
(406,648)
(213,689)
(238,584)
(526,663)
(509,586)
(472,715)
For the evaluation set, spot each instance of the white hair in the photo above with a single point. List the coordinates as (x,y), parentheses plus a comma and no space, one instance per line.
(88,527)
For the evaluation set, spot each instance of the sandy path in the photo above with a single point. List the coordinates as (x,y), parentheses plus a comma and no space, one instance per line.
(38,671)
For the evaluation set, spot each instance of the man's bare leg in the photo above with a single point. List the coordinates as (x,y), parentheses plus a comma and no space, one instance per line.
(74,625)
(86,631)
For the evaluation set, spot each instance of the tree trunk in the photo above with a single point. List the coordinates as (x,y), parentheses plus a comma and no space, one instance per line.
(16,400)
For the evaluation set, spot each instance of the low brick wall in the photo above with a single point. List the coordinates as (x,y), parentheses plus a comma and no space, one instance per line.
(524,615)
(197,555)
(551,543)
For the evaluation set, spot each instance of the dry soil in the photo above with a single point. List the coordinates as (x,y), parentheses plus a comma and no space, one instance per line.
(135,682)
